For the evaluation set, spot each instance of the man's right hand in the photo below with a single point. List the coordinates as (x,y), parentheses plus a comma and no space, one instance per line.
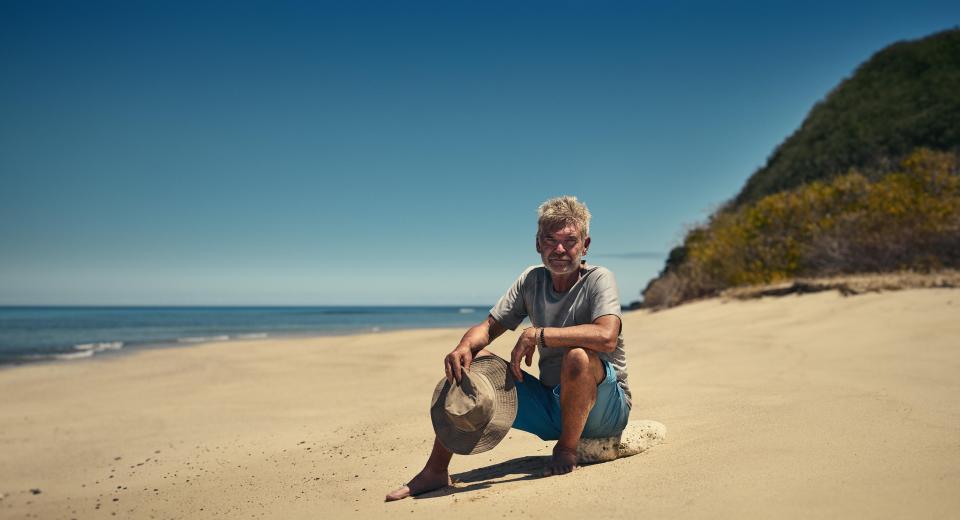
(456,362)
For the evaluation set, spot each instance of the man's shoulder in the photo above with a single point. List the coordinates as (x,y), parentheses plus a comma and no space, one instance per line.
(598,271)
(533,271)
(599,278)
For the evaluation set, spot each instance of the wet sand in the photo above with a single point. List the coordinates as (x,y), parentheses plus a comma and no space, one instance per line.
(800,406)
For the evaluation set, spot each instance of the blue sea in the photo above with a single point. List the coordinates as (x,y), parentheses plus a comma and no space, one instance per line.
(30,334)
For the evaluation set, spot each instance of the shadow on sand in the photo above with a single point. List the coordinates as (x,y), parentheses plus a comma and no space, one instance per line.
(525,468)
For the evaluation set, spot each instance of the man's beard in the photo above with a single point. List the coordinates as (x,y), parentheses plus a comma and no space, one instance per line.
(563,266)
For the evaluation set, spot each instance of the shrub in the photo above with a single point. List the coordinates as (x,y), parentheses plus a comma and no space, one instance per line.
(906,220)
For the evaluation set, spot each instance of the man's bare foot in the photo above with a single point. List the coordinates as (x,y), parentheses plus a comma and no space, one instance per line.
(563,461)
(425,481)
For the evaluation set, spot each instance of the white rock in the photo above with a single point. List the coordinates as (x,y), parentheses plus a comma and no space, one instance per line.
(637,437)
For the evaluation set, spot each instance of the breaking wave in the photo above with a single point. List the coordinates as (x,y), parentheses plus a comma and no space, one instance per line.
(99,347)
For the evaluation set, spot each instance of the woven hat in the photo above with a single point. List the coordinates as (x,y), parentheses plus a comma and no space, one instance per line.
(476,414)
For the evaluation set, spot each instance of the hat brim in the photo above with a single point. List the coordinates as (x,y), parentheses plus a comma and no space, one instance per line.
(496,370)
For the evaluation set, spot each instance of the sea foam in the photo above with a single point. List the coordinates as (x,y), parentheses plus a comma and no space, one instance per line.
(202,339)
(99,347)
(83,350)
(74,355)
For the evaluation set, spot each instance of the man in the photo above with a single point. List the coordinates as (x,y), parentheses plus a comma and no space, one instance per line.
(575,312)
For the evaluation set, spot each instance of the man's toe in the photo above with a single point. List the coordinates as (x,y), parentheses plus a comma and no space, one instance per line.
(397,494)
(558,469)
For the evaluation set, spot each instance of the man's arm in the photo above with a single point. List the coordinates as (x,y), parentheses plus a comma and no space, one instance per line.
(473,341)
(600,336)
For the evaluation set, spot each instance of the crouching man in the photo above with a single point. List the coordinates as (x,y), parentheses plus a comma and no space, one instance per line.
(574,309)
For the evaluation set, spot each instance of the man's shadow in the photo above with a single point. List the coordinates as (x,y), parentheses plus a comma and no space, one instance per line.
(526,468)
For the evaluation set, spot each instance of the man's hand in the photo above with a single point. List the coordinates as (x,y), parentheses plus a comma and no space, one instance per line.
(524,349)
(456,362)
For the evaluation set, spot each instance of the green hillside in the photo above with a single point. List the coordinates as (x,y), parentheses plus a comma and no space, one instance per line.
(868,183)
(906,96)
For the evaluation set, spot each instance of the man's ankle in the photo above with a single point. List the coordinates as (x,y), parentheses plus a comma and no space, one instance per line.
(433,471)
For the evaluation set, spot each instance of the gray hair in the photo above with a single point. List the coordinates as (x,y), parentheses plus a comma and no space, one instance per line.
(561,211)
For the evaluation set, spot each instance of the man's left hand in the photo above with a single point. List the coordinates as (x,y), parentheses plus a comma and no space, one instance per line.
(524,349)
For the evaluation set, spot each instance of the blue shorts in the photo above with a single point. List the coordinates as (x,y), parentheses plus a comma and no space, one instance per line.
(538,408)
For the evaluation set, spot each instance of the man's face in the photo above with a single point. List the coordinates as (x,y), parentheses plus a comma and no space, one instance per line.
(561,248)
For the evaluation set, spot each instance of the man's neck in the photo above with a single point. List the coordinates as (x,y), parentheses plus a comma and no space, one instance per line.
(563,283)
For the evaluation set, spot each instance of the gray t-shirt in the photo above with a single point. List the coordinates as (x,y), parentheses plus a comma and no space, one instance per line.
(595,294)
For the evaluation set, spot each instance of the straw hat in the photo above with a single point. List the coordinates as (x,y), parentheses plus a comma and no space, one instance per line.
(475,415)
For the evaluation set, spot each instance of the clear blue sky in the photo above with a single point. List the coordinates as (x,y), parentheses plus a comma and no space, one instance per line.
(388,152)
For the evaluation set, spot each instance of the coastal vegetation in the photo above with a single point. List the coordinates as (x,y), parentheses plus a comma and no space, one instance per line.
(907,220)
(868,184)
(905,97)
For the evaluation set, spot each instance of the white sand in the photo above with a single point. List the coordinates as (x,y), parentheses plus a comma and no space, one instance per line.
(798,407)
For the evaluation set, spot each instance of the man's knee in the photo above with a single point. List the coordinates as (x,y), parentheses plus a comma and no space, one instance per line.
(576,362)
(579,362)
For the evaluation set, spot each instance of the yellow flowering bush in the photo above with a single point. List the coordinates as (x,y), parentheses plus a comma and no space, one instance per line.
(908,219)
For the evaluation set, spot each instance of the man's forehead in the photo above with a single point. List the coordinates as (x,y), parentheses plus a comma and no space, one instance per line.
(561,230)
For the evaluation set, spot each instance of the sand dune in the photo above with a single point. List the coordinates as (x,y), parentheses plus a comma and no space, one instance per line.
(801,406)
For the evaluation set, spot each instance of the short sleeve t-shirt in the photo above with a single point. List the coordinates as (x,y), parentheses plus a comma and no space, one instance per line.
(595,294)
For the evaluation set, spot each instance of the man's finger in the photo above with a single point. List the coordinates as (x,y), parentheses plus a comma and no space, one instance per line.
(448,370)
(457,370)
(515,364)
(529,357)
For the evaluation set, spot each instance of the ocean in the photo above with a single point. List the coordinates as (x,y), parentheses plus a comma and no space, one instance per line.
(32,334)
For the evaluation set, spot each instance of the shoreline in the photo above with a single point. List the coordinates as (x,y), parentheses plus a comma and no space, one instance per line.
(182,343)
(83,332)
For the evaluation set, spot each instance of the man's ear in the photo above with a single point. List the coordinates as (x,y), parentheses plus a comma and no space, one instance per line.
(536,240)
(586,244)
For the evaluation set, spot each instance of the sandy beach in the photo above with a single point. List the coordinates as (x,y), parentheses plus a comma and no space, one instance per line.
(806,406)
